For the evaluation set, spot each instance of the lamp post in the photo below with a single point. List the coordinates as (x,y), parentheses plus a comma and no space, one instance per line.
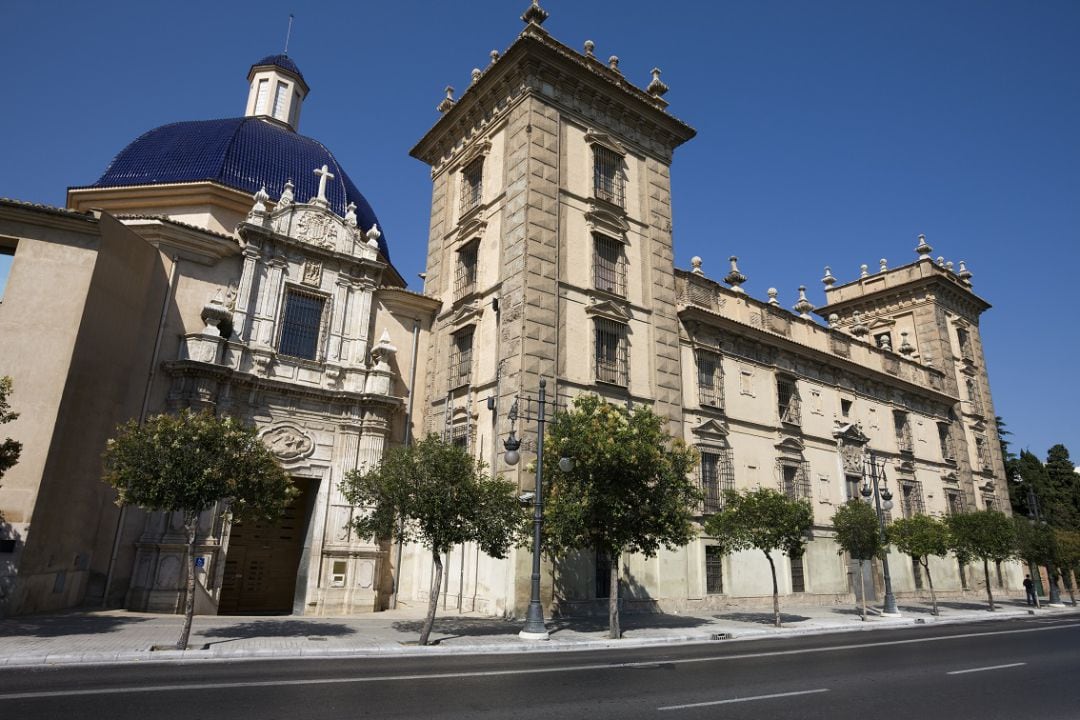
(1035,519)
(874,484)
(534,629)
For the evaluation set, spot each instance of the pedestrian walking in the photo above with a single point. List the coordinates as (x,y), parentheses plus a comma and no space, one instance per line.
(1029,590)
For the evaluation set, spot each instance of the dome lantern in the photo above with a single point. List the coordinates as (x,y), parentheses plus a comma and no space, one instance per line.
(276,91)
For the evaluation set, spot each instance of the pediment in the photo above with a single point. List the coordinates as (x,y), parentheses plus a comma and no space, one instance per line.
(603,139)
(850,434)
(472,228)
(317,226)
(468,314)
(712,430)
(790,445)
(604,221)
(608,309)
(476,150)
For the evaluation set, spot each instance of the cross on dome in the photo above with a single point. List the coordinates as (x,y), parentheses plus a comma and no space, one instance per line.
(324,175)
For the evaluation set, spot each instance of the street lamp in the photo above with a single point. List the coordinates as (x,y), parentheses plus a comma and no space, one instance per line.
(1035,519)
(534,629)
(875,485)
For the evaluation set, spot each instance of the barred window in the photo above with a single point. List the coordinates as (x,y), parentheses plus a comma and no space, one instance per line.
(710,379)
(964,341)
(608,182)
(788,400)
(954,502)
(798,573)
(916,572)
(472,184)
(911,498)
(611,352)
(973,396)
(461,358)
(459,435)
(465,278)
(795,479)
(603,575)
(714,570)
(301,324)
(717,475)
(945,438)
(903,432)
(609,266)
(983,452)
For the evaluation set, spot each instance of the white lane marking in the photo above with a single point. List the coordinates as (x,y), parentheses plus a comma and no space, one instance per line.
(744,699)
(980,669)
(521,671)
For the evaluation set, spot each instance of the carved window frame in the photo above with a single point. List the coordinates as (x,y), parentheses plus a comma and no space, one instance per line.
(326,313)
(609,169)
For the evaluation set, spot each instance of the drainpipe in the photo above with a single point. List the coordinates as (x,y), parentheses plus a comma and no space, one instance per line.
(142,417)
(408,442)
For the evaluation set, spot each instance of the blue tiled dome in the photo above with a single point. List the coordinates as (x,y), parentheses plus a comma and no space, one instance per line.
(282,61)
(242,153)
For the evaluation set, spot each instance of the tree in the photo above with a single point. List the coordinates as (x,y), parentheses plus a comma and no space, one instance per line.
(1068,554)
(9,449)
(921,536)
(984,534)
(434,493)
(1035,545)
(188,462)
(1007,455)
(1061,505)
(859,535)
(630,488)
(1031,470)
(765,520)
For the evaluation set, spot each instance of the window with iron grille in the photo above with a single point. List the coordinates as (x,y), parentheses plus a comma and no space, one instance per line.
(983,451)
(903,431)
(608,182)
(916,572)
(465,277)
(710,379)
(945,438)
(911,498)
(990,502)
(964,341)
(974,397)
(609,265)
(459,436)
(301,324)
(788,400)
(714,570)
(472,176)
(798,573)
(795,479)
(611,352)
(954,502)
(852,484)
(603,575)
(717,475)
(461,357)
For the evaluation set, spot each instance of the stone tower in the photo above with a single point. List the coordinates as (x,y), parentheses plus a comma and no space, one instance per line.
(550,248)
(928,310)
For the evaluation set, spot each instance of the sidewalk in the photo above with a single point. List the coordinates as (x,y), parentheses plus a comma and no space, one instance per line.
(119,636)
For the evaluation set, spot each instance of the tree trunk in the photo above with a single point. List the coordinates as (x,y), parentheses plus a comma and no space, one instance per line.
(930,579)
(775,592)
(862,584)
(1068,577)
(986,575)
(614,631)
(433,597)
(191,524)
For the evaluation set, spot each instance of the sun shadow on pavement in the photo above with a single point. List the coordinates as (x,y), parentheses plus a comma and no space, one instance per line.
(760,618)
(275,629)
(66,624)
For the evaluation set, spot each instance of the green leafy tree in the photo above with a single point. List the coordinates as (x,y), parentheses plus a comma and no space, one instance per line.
(1033,472)
(921,536)
(764,520)
(435,494)
(1061,505)
(988,535)
(1007,456)
(1068,553)
(1035,545)
(859,535)
(188,462)
(9,449)
(630,489)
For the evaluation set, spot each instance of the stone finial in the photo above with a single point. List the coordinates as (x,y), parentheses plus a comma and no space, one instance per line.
(803,306)
(656,87)
(448,101)
(613,63)
(476,73)
(324,175)
(833,319)
(928,361)
(350,214)
(534,14)
(258,210)
(858,327)
(590,46)
(384,349)
(494,55)
(773,293)
(695,264)
(864,270)
(940,261)
(287,198)
(949,265)
(373,236)
(923,249)
(828,281)
(906,348)
(214,313)
(735,278)
(964,274)
(883,265)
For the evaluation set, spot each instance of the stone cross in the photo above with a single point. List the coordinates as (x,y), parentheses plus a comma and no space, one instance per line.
(324,175)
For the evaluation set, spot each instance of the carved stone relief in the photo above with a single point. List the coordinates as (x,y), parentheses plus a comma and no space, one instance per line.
(288,442)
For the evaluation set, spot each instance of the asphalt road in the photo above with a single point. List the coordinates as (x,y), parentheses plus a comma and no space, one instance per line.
(1015,670)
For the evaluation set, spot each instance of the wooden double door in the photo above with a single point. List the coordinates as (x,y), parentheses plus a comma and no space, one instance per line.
(263,560)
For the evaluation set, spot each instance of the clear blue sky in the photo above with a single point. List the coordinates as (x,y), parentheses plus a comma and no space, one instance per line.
(830,133)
